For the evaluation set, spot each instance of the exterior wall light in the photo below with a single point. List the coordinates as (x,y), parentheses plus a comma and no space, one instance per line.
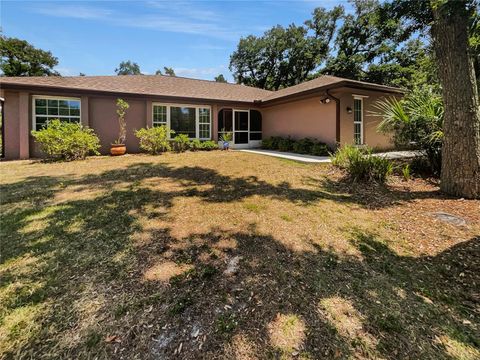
(349,110)
(325,101)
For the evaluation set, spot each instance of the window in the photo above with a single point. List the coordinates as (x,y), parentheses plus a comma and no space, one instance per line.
(255,125)
(48,108)
(358,121)
(193,121)
(159,115)
(182,121)
(204,123)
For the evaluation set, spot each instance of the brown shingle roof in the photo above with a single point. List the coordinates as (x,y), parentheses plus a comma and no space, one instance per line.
(159,85)
(156,85)
(325,81)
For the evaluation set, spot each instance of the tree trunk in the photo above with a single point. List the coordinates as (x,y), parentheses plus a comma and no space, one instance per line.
(461,145)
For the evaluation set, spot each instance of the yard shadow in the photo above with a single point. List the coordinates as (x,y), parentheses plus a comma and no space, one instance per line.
(86,278)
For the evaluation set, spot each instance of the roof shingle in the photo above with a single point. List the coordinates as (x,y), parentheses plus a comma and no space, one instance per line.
(173,86)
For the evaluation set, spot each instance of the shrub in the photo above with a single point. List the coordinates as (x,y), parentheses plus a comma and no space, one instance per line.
(195,145)
(320,149)
(181,142)
(285,144)
(303,146)
(209,145)
(271,143)
(154,140)
(361,164)
(67,141)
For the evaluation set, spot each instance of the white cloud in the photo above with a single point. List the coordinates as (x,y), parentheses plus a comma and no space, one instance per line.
(73,11)
(180,17)
(207,73)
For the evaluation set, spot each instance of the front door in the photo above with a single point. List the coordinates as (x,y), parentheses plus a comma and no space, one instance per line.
(240,127)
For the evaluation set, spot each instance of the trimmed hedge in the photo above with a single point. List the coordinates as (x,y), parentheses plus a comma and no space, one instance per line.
(305,146)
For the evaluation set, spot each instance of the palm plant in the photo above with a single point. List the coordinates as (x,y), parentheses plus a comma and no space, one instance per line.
(416,122)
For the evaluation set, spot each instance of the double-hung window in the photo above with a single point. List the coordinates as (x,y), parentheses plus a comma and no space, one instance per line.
(48,108)
(191,120)
(358,120)
(159,115)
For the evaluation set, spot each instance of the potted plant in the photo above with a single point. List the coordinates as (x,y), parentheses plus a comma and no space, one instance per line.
(119,147)
(225,139)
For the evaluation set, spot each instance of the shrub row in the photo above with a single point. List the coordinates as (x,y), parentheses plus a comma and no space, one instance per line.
(62,140)
(361,164)
(302,146)
(156,140)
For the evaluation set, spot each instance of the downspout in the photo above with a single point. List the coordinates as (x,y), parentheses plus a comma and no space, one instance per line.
(337,115)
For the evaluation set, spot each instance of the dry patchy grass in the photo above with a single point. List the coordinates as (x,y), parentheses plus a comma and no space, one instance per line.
(126,258)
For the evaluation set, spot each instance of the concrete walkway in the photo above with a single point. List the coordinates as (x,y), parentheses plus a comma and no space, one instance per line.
(289,155)
(325,159)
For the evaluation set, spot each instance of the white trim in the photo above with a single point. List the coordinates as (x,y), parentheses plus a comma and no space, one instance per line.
(50,97)
(356,96)
(197,116)
(361,122)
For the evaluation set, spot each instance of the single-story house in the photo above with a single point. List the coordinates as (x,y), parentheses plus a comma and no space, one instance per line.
(331,109)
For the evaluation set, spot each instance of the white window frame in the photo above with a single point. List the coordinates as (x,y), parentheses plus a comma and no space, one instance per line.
(153,116)
(60,117)
(361,122)
(197,117)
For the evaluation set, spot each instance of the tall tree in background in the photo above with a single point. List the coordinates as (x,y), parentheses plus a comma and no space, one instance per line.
(128,68)
(220,78)
(461,145)
(168,71)
(19,58)
(285,56)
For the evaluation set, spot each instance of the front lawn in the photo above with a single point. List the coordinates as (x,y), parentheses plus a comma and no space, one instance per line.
(231,255)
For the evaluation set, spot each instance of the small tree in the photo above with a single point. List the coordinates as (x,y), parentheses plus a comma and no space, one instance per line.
(122,107)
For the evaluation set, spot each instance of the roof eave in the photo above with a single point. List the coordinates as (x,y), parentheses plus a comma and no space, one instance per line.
(340,84)
(59,89)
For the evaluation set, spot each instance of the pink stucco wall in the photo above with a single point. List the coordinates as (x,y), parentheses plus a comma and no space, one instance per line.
(306,117)
(104,120)
(12,134)
(300,119)
(371,136)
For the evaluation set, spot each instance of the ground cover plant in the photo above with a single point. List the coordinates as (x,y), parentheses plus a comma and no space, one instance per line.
(229,255)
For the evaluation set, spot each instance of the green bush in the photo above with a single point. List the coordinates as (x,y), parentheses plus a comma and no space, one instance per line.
(181,143)
(271,143)
(320,149)
(153,140)
(67,141)
(303,146)
(209,145)
(361,164)
(195,145)
(285,144)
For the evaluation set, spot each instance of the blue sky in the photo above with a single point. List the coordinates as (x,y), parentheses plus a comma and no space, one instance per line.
(196,38)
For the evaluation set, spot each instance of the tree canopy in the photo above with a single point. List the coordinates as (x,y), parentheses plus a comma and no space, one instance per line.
(220,78)
(19,58)
(128,68)
(167,71)
(374,42)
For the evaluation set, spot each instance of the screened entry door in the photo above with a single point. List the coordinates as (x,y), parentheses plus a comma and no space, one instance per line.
(240,126)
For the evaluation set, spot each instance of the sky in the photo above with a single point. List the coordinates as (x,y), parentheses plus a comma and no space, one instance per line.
(196,38)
